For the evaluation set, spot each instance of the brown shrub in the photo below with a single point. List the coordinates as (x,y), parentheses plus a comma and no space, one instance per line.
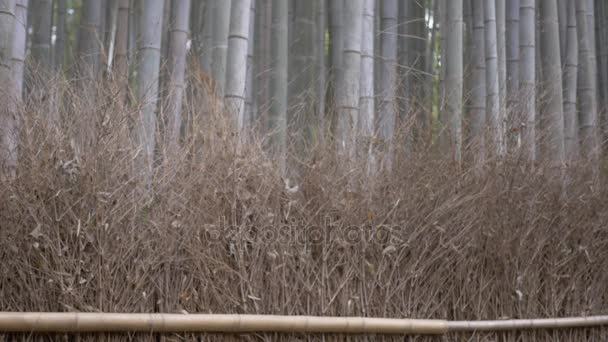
(217,230)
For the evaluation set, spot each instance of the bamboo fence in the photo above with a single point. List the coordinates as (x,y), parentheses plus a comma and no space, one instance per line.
(77,322)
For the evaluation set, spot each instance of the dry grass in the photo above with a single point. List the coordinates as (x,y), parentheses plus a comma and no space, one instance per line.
(217,231)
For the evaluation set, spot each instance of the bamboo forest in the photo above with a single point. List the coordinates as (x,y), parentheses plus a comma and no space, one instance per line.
(309,170)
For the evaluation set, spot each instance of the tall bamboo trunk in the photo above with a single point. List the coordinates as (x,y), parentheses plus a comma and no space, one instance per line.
(197,14)
(277,116)
(178,38)
(164,43)
(571,65)
(478,82)
(110,33)
(250,106)
(302,70)
(19,48)
(42,14)
(398,40)
(236,63)
(454,76)
(121,59)
(18,55)
(562,18)
(89,43)
(61,34)
(206,48)
(501,50)
(587,84)
(444,133)
(101,32)
(527,76)
(411,49)
(336,32)
(148,73)
(422,124)
(366,91)
(8,135)
(553,115)
(492,81)
(321,69)
(387,78)
(513,55)
(602,44)
(262,59)
(219,44)
(430,70)
(133,38)
(349,83)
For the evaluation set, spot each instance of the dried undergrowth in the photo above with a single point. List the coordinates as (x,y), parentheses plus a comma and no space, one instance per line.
(216,229)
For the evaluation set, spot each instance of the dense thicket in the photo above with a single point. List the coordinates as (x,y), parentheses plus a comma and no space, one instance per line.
(394,158)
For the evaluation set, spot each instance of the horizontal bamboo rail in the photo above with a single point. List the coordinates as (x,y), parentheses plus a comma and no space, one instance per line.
(76,322)
(118,322)
(525,324)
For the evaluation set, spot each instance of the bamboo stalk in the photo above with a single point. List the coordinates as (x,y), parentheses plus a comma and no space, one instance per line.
(523,324)
(76,322)
(118,322)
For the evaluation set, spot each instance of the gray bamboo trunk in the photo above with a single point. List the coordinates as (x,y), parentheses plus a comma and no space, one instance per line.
(377,48)
(562,14)
(570,83)
(101,32)
(411,50)
(454,76)
(320,61)
(89,43)
(349,83)
(42,14)
(132,39)
(387,75)
(219,43)
(8,135)
(478,81)
(602,25)
(12,125)
(493,114)
(111,25)
(366,99)
(236,64)
(587,83)
(444,133)
(592,38)
(336,30)
(178,39)
(302,69)
(262,58)
(164,43)
(553,123)
(121,59)
(207,36)
(277,116)
(527,76)
(60,41)
(501,50)
(197,14)
(430,68)
(513,96)
(405,57)
(19,48)
(250,106)
(148,72)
